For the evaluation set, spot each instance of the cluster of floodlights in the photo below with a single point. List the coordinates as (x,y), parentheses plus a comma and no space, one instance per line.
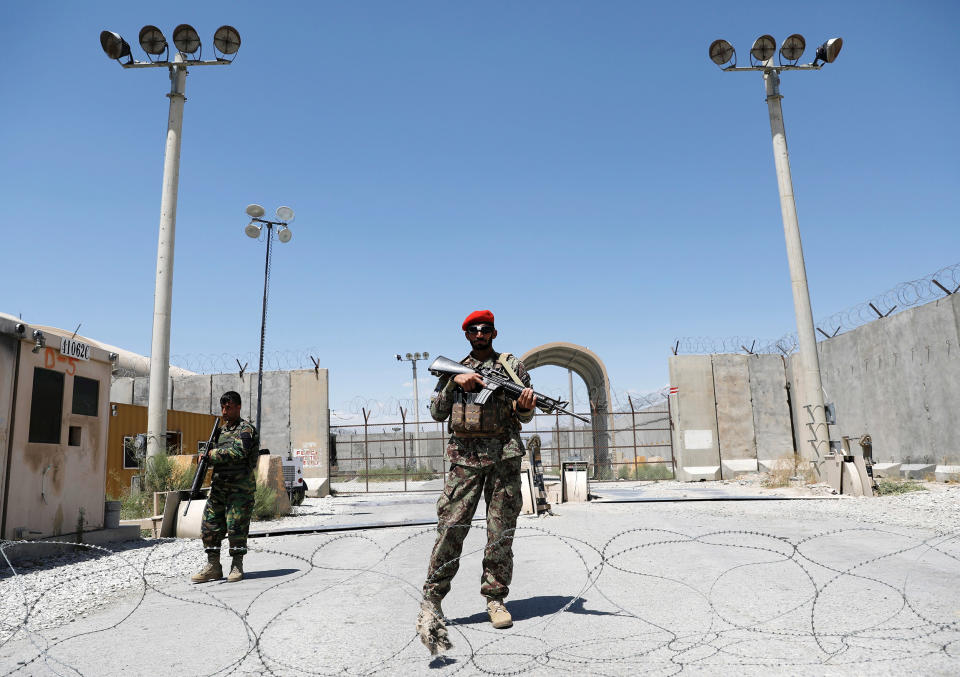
(764,47)
(284,216)
(226,42)
(413,356)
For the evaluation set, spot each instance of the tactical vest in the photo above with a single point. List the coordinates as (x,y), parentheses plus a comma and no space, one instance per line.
(494,418)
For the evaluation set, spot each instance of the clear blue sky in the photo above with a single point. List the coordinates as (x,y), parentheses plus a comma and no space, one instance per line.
(580,168)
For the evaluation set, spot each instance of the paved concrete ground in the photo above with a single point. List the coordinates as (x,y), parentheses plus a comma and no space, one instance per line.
(609,589)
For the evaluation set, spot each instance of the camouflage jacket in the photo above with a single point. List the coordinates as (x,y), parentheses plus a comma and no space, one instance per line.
(236,449)
(483,451)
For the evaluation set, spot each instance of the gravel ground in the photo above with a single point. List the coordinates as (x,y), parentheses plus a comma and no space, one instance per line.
(59,590)
(936,509)
(53,591)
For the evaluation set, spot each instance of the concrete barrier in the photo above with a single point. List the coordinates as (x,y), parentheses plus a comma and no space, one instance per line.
(270,474)
(574,482)
(735,467)
(887,470)
(188,526)
(526,491)
(700,473)
(917,471)
(317,487)
(947,473)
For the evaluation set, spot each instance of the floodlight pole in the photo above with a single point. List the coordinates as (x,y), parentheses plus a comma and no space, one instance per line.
(117,48)
(160,344)
(416,400)
(263,314)
(263,323)
(416,415)
(816,447)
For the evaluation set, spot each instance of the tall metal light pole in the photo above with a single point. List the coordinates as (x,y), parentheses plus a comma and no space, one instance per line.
(284,216)
(761,57)
(226,42)
(412,358)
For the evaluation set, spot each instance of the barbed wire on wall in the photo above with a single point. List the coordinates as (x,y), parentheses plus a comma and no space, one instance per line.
(228,363)
(937,285)
(707,345)
(376,407)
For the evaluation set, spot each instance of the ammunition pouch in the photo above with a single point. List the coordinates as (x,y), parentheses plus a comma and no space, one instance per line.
(469,419)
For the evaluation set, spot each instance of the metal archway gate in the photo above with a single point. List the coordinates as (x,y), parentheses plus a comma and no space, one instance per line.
(585,363)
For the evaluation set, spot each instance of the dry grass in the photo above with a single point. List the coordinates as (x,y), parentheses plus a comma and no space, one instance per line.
(790,469)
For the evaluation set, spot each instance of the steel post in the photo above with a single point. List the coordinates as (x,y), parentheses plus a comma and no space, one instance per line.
(811,391)
(416,413)
(163,291)
(263,323)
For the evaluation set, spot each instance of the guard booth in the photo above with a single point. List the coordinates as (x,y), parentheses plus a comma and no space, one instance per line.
(54,417)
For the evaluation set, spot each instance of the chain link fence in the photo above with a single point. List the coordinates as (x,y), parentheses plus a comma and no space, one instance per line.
(402,456)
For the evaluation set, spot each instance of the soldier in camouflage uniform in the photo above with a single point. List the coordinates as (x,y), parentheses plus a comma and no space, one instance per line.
(230,504)
(484,451)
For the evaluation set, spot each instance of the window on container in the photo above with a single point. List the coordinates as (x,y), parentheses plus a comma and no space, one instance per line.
(174,443)
(130,459)
(46,406)
(86,396)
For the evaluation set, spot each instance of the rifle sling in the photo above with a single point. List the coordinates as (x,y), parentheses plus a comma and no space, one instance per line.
(502,359)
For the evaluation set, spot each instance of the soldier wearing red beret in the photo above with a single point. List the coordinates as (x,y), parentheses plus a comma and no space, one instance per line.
(484,451)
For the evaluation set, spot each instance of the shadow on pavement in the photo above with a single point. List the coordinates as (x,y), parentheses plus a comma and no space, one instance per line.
(269,573)
(441,662)
(535,607)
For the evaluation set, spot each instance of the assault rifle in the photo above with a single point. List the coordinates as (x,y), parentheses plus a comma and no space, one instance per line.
(202,465)
(494,381)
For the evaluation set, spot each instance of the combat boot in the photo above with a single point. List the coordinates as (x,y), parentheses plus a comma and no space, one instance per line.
(498,613)
(236,570)
(211,572)
(431,628)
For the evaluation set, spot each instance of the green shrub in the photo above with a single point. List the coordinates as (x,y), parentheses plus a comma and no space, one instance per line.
(134,504)
(421,474)
(653,471)
(162,473)
(264,503)
(603,473)
(892,487)
(644,471)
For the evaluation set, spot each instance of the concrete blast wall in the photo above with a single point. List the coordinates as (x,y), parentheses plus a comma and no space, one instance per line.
(731,414)
(295,415)
(695,446)
(898,379)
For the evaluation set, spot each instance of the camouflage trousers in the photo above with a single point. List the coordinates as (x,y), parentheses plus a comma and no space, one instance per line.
(228,512)
(500,485)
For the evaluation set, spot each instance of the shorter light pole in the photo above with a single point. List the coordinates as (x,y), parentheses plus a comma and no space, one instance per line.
(412,358)
(284,216)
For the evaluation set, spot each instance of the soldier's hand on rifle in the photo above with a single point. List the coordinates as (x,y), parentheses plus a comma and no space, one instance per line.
(469,382)
(527,399)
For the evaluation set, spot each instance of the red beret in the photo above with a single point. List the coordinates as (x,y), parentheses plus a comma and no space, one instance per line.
(477,317)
